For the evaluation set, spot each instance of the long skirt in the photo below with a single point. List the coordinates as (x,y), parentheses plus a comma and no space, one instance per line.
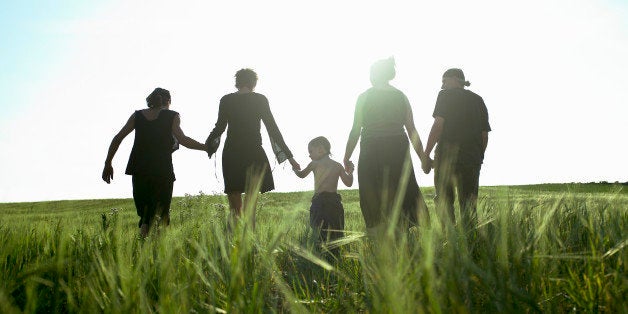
(387,182)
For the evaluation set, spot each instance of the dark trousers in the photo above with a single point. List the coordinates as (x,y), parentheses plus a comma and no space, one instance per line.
(327,216)
(463,179)
(152,196)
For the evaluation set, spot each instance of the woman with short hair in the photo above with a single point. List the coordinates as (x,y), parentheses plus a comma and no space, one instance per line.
(245,166)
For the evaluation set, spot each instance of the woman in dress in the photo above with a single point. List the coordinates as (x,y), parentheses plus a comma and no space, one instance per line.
(245,167)
(387,185)
(157,134)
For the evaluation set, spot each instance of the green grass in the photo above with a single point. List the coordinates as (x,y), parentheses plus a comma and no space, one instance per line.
(547,248)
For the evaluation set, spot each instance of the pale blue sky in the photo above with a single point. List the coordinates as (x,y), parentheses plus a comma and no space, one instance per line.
(552,73)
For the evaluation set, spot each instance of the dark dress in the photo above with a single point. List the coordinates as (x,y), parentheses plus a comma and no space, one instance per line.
(243,157)
(386,180)
(150,164)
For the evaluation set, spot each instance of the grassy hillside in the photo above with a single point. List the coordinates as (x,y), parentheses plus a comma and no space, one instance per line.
(552,248)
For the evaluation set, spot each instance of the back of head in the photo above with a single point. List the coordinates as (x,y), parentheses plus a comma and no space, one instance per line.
(457,74)
(158,98)
(321,141)
(383,70)
(246,78)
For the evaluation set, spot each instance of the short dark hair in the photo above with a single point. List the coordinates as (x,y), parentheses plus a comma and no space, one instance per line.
(246,78)
(383,70)
(458,74)
(321,141)
(158,98)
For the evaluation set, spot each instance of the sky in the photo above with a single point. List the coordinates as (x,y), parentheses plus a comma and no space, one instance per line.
(552,74)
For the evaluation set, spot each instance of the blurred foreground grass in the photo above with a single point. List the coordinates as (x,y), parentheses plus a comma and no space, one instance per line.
(549,248)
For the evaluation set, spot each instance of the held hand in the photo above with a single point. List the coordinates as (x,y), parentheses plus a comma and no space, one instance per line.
(295,164)
(349,167)
(107,173)
(427,164)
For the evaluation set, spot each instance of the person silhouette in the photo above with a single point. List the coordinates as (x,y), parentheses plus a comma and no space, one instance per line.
(157,134)
(385,172)
(327,215)
(245,166)
(460,129)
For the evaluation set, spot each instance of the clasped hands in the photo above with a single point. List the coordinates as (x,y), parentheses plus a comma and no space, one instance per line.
(349,167)
(427,164)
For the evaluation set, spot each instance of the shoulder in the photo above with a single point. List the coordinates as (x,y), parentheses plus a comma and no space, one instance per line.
(367,92)
(476,96)
(401,95)
(170,113)
(228,97)
(395,90)
(364,95)
(134,116)
(448,95)
(260,97)
(444,93)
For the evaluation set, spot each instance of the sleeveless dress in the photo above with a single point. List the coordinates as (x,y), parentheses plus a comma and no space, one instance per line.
(384,149)
(245,166)
(150,164)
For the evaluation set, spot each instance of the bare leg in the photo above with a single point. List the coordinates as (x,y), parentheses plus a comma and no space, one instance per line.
(235,203)
(144,230)
(250,201)
(235,207)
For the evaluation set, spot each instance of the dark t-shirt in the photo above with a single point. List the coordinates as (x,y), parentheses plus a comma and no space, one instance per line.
(243,113)
(466,117)
(154,143)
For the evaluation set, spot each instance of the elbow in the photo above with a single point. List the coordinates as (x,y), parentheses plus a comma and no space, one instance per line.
(117,140)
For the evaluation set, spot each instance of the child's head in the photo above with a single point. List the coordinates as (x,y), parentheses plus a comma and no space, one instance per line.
(319,147)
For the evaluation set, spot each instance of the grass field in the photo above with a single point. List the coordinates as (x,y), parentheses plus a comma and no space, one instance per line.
(541,248)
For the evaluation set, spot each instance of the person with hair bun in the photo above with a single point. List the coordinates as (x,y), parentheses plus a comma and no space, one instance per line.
(387,184)
(157,135)
(245,166)
(460,129)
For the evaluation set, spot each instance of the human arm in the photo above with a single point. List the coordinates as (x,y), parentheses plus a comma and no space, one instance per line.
(354,135)
(432,139)
(280,149)
(213,140)
(346,175)
(435,132)
(442,110)
(303,173)
(486,126)
(294,163)
(415,139)
(182,138)
(107,172)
